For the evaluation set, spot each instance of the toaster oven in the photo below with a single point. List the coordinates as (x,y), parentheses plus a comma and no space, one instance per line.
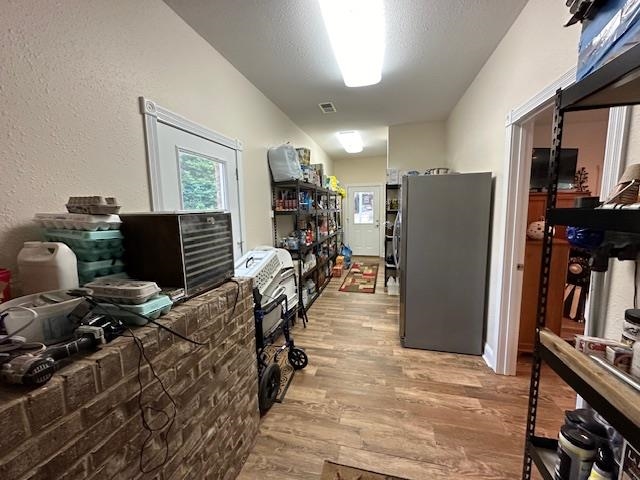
(181,251)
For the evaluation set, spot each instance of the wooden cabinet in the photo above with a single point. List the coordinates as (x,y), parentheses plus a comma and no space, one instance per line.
(558,275)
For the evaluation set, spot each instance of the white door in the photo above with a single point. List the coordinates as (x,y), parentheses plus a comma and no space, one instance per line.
(363,221)
(198,174)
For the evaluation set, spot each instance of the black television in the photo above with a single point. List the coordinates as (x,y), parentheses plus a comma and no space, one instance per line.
(540,168)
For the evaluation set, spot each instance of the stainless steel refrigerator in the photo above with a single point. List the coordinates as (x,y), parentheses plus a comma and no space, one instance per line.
(444,241)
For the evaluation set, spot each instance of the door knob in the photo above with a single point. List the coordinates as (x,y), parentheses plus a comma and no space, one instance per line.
(520,267)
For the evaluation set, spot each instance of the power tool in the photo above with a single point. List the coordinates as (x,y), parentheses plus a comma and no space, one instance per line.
(37,369)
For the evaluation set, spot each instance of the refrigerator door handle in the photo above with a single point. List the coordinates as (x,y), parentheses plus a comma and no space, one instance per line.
(396,239)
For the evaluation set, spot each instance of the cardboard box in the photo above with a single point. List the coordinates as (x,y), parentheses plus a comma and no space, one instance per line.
(619,357)
(304,156)
(337,271)
(393,176)
(613,30)
(595,345)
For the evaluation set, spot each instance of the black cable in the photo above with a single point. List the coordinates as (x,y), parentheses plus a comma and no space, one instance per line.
(235,302)
(97,301)
(635,285)
(165,427)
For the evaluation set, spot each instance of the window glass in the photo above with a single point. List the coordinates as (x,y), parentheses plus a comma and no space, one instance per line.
(363,208)
(201,182)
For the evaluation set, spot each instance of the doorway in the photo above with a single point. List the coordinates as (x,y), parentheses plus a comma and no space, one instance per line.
(505,294)
(363,219)
(580,175)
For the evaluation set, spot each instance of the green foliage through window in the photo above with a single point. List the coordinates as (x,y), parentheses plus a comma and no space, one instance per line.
(201,180)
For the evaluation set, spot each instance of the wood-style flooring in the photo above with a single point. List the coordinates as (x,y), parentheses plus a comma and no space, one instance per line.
(367,402)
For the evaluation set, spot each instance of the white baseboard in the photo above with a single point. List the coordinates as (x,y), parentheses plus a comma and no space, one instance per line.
(489,357)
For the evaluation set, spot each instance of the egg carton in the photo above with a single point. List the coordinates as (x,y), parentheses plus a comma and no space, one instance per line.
(94,205)
(127,291)
(96,254)
(153,309)
(96,240)
(88,271)
(78,221)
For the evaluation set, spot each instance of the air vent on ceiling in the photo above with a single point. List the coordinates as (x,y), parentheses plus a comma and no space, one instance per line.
(327,107)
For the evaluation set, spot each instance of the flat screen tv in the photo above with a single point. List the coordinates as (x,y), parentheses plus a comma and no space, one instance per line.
(540,168)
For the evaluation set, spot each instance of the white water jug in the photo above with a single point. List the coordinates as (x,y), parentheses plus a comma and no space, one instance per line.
(45,266)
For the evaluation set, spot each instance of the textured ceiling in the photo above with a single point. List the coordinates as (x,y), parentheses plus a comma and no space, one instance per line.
(434,50)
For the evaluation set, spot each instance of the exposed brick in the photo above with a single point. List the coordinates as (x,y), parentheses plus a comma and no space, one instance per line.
(41,446)
(13,424)
(109,367)
(86,423)
(45,405)
(80,383)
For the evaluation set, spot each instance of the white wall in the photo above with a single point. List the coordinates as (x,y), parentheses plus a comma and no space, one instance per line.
(70,124)
(417,146)
(361,170)
(535,52)
(589,138)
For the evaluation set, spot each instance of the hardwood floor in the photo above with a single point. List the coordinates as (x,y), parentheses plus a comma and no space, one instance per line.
(367,402)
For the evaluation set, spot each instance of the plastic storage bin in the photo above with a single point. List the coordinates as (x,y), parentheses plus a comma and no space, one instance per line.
(124,291)
(51,325)
(154,308)
(46,266)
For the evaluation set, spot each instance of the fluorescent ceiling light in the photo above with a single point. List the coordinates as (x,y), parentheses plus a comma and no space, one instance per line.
(356,31)
(351,141)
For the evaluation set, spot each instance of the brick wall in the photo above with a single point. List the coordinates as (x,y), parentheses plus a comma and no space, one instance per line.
(86,422)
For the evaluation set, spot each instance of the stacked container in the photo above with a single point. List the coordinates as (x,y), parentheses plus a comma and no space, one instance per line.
(94,236)
(130,300)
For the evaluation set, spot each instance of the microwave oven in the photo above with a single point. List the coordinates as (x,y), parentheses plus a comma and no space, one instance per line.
(180,251)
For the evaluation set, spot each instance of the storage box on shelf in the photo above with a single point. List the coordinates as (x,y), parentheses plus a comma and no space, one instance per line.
(307,221)
(614,84)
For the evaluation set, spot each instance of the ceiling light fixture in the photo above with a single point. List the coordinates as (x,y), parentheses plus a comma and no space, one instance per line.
(351,141)
(356,31)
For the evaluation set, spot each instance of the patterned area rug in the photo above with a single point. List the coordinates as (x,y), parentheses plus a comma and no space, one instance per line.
(335,471)
(361,278)
(286,370)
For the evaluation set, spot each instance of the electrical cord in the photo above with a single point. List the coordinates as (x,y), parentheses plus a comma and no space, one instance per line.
(97,301)
(235,302)
(635,285)
(144,407)
(164,428)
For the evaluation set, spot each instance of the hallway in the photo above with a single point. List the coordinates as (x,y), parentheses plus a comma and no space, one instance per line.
(367,402)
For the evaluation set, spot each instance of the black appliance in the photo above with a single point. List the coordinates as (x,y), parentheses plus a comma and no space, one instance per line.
(184,251)
(540,168)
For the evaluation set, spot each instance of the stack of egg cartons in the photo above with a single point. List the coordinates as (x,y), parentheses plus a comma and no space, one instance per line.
(92,230)
(132,301)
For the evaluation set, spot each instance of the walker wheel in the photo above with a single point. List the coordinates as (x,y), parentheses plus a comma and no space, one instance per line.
(268,387)
(298,358)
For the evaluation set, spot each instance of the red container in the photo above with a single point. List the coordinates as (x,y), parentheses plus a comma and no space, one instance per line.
(5,280)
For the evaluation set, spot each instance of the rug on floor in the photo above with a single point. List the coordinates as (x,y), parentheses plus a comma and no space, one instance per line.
(361,278)
(286,370)
(336,471)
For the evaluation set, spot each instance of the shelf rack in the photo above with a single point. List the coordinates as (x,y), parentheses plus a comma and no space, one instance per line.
(615,84)
(392,191)
(325,244)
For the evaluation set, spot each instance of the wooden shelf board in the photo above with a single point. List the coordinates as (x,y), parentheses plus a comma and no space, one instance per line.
(616,401)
